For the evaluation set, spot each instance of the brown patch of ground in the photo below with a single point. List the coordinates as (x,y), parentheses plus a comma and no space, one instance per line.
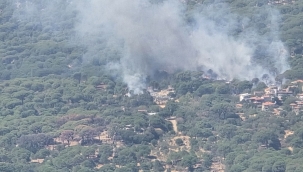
(241,115)
(73,143)
(217,166)
(162,106)
(276,112)
(40,161)
(203,151)
(161,97)
(174,122)
(288,133)
(160,156)
(99,166)
(58,140)
(104,137)
(119,144)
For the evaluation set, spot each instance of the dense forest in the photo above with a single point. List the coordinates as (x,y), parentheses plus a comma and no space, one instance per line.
(62,108)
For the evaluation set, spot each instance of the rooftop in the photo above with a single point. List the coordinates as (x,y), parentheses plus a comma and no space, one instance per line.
(297,81)
(256,98)
(268,104)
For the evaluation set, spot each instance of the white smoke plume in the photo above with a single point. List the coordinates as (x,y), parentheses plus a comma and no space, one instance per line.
(155,36)
(149,37)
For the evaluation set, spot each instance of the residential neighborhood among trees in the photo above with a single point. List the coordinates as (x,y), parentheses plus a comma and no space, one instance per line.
(64,107)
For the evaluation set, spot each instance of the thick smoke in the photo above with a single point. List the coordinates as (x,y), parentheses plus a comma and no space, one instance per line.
(156,36)
(146,37)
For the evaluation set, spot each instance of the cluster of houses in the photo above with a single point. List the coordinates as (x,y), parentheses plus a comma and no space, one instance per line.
(262,99)
(297,106)
(266,99)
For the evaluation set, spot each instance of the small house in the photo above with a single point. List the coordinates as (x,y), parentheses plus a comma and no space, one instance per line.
(297,81)
(300,96)
(256,100)
(283,93)
(239,106)
(299,104)
(245,96)
(258,93)
(267,105)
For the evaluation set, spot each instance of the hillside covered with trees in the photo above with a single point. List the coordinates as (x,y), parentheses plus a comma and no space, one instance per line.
(62,108)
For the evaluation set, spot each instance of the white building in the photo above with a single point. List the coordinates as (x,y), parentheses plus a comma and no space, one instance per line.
(244,96)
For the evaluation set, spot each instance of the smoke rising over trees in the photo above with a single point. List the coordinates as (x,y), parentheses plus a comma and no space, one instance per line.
(169,36)
(135,39)
(66,66)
